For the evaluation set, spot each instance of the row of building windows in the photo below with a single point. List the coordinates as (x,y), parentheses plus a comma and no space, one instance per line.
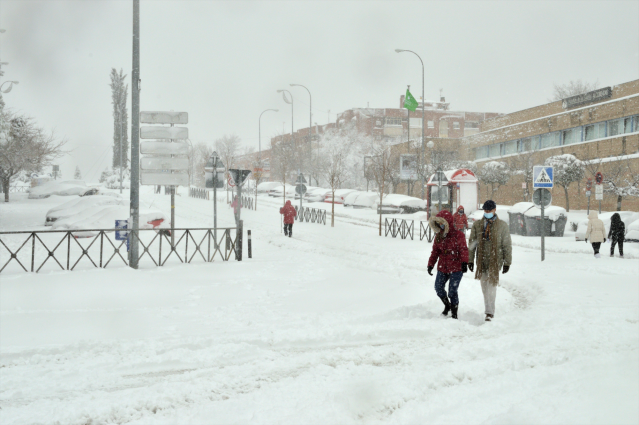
(561,138)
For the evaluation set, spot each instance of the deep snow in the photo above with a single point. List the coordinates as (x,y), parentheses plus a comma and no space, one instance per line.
(334,325)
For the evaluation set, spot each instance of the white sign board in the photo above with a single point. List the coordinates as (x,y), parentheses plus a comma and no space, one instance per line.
(163,148)
(164,117)
(164,163)
(599,192)
(163,179)
(408,167)
(156,132)
(543,177)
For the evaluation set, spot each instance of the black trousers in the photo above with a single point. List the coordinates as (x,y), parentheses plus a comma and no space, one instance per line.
(614,242)
(288,229)
(596,246)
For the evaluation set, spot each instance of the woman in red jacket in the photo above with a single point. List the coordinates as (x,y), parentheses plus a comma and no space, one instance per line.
(289,217)
(460,220)
(451,253)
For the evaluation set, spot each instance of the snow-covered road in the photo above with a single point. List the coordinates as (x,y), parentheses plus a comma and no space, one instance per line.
(334,325)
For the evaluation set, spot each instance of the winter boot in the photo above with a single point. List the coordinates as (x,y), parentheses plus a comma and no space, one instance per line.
(597,255)
(454,310)
(489,317)
(447,306)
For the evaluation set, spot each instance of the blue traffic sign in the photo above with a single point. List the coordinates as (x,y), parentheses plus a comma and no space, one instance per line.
(543,177)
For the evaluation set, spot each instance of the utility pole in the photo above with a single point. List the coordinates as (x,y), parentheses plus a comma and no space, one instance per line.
(408,138)
(135,138)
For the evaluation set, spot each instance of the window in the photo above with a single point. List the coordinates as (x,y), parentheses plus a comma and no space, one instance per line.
(434,194)
(494,150)
(456,125)
(615,127)
(431,124)
(549,140)
(627,125)
(572,135)
(443,128)
(481,152)
(530,144)
(510,147)
(416,122)
(393,121)
(470,124)
(595,131)
(635,119)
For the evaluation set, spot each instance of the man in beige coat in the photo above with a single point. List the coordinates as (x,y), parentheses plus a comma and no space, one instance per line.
(490,239)
(596,232)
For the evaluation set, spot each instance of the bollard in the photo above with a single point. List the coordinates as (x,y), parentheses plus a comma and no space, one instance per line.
(250,249)
(238,246)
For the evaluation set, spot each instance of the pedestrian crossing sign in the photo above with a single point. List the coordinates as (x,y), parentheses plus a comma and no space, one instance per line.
(543,176)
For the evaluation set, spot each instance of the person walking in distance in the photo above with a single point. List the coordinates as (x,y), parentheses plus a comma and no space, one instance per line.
(490,241)
(616,234)
(460,220)
(289,213)
(451,254)
(596,232)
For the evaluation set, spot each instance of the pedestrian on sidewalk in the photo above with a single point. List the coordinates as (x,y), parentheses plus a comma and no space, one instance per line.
(596,232)
(616,234)
(289,213)
(460,220)
(235,207)
(451,254)
(490,239)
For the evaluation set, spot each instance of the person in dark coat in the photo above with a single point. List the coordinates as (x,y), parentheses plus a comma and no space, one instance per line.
(616,234)
(289,217)
(451,254)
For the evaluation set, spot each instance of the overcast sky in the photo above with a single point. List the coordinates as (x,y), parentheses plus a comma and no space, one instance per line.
(222,62)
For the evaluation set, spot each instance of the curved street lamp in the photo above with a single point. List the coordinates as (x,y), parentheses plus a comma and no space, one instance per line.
(423,102)
(11,83)
(291,102)
(310,121)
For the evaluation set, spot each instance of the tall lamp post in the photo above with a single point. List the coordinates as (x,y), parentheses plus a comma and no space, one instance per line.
(292,122)
(8,89)
(423,115)
(310,125)
(259,141)
(431,145)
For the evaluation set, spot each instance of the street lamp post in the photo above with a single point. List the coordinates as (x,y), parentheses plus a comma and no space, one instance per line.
(259,141)
(423,115)
(431,145)
(292,122)
(310,125)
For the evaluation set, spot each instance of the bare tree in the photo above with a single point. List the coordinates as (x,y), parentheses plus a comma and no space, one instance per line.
(572,88)
(201,153)
(381,159)
(621,177)
(335,155)
(283,161)
(25,147)
(523,165)
(567,169)
(119,94)
(494,173)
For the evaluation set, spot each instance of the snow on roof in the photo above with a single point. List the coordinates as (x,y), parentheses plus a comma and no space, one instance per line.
(552,212)
(456,175)
(521,207)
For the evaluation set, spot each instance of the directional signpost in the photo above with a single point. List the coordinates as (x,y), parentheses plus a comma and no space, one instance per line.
(166,163)
(588,193)
(543,179)
(239,177)
(599,189)
(300,187)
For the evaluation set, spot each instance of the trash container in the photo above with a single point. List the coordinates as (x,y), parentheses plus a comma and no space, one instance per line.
(516,220)
(554,221)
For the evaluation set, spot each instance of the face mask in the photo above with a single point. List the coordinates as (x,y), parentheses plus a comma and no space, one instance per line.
(442,226)
(461,212)
(488,215)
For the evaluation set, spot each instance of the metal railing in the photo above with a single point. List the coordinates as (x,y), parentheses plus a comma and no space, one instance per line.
(35,251)
(312,215)
(15,189)
(406,229)
(199,192)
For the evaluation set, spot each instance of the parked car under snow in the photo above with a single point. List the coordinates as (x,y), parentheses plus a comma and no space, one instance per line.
(60,188)
(78,205)
(266,187)
(338,196)
(316,195)
(104,216)
(400,204)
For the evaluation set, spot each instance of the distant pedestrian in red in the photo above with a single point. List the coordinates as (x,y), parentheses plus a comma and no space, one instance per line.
(460,221)
(289,217)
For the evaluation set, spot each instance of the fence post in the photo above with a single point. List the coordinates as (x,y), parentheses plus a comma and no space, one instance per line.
(238,242)
(250,249)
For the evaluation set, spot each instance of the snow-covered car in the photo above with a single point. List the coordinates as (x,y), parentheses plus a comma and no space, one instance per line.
(632,232)
(366,200)
(502,213)
(340,194)
(104,216)
(628,217)
(278,192)
(266,187)
(403,204)
(59,188)
(78,205)
(351,197)
(308,188)
(316,195)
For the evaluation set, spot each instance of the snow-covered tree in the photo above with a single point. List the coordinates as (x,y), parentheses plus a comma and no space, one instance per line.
(522,165)
(77,175)
(24,147)
(283,161)
(381,159)
(495,174)
(567,169)
(621,177)
(119,92)
(572,88)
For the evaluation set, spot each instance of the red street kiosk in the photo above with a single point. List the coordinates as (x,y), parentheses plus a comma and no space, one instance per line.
(458,187)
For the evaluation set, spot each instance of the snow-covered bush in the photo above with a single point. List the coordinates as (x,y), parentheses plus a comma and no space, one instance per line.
(567,169)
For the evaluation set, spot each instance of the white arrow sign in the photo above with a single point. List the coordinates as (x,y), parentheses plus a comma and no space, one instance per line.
(164,117)
(164,148)
(159,163)
(155,132)
(163,179)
